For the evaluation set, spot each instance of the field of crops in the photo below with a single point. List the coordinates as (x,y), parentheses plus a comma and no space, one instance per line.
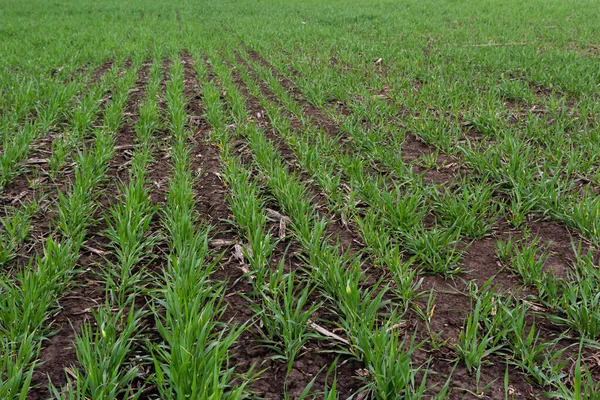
(297,200)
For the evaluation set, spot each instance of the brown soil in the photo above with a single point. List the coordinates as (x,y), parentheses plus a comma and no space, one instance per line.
(100,71)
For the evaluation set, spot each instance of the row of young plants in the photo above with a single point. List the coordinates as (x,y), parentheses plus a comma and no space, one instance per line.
(83,119)
(27,95)
(399,200)
(237,109)
(192,358)
(488,100)
(16,226)
(63,105)
(28,299)
(369,322)
(572,298)
(58,113)
(17,220)
(379,239)
(504,158)
(105,346)
(469,205)
(572,302)
(508,51)
(281,306)
(373,126)
(472,349)
(548,285)
(502,323)
(577,312)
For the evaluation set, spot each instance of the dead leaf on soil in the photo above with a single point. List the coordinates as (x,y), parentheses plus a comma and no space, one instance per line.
(220,242)
(94,250)
(70,372)
(344,220)
(534,306)
(159,183)
(362,395)
(84,311)
(248,250)
(36,161)
(18,197)
(282,226)
(534,109)
(327,333)
(123,147)
(238,253)
(274,215)
(363,372)
(195,120)
(397,325)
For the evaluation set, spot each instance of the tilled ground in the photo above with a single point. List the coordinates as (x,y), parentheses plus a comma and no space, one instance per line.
(434,321)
